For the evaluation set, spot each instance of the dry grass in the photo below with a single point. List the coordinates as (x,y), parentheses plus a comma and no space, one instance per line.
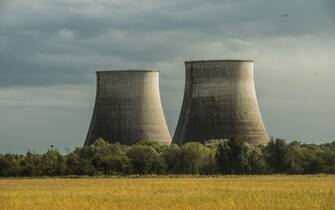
(241,192)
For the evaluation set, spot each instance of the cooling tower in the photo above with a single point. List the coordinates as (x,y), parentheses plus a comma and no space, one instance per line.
(128,108)
(220,102)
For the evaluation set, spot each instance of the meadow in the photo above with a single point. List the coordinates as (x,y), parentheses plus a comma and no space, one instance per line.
(226,192)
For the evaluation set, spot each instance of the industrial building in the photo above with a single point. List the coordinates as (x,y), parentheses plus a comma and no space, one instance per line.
(128,108)
(220,102)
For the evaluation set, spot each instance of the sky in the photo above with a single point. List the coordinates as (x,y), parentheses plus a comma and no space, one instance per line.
(50,50)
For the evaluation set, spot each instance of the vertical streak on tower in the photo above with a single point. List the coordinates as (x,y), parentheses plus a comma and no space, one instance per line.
(220,102)
(128,108)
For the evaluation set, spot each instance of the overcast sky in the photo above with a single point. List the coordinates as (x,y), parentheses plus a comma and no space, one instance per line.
(50,49)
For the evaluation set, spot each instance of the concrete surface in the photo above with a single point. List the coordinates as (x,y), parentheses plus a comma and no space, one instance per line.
(128,108)
(220,102)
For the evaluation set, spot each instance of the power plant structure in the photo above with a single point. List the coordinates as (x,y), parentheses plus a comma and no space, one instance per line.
(220,102)
(128,108)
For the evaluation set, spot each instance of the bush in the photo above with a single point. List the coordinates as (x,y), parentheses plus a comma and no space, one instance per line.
(145,160)
(231,156)
(196,158)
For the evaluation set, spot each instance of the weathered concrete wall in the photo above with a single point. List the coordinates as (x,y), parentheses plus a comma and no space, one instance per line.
(128,108)
(220,102)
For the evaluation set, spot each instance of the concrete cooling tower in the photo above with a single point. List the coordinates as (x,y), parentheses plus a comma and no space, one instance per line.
(128,108)
(220,102)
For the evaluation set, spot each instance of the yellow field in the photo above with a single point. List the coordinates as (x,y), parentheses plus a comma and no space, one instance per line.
(241,192)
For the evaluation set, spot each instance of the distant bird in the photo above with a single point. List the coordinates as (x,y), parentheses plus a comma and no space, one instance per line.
(51,145)
(284,15)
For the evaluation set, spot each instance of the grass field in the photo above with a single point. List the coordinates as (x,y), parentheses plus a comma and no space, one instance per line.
(240,192)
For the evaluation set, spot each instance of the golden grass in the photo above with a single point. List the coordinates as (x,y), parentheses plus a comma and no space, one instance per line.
(240,192)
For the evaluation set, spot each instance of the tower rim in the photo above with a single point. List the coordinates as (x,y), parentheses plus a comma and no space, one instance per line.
(126,71)
(220,60)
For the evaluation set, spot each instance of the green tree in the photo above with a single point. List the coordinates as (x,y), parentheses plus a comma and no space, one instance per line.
(223,158)
(53,163)
(255,157)
(234,156)
(11,163)
(74,164)
(195,158)
(5,165)
(159,147)
(275,155)
(238,156)
(173,156)
(32,165)
(145,160)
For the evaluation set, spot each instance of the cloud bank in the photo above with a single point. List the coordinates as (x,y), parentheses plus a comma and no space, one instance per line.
(50,49)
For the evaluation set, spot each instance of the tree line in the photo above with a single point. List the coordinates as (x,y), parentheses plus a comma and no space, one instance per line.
(215,157)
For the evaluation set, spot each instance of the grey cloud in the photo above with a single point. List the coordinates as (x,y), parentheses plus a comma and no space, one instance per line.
(52,44)
(49,97)
(330,6)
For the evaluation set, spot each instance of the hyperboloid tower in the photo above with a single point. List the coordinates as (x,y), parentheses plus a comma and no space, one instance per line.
(128,108)
(220,102)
